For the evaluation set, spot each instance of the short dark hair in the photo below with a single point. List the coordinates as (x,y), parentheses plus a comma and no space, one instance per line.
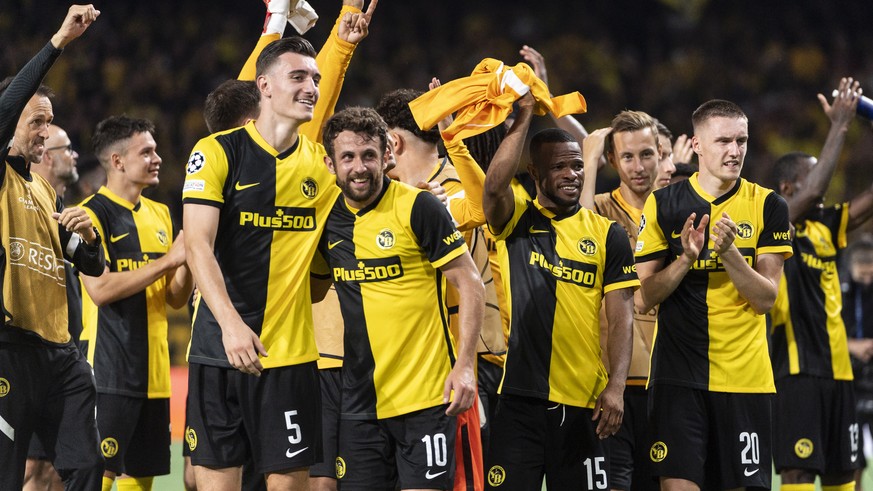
(716,108)
(483,146)
(546,136)
(663,130)
(394,109)
(116,128)
(786,169)
(42,90)
(271,53)
(230,104)
(630,121)
(361,120)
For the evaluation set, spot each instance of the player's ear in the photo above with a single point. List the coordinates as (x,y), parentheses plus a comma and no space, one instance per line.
(695,144)
(263,86)
(329,163)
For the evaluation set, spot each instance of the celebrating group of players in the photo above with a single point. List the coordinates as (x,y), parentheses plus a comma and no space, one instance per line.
(362,300)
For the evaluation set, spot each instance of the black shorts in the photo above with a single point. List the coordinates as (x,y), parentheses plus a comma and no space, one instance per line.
(532,436)
(274,418)
(46,388)
(135,434)
(414,450)
(629,464)
(824,437)
(718,440)
(489,376)
(331,388)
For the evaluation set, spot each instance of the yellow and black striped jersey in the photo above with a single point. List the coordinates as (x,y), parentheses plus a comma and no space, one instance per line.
(708,337)
(127,339)
(612,205)
(273,209)
(384,260)
(555,271)
(808,333)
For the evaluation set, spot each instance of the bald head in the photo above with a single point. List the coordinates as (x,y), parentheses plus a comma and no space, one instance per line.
(59,160)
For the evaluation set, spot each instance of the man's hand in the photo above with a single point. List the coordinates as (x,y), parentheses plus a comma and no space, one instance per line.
(682,151)
(176,254)
(78,18)
(354,27)
(242,347)
(842,111)
(435,189)
(692,238)
(594,144)
(75,219)
(447,121)
(536,61)
(724,232)
(462,381)
(609,409)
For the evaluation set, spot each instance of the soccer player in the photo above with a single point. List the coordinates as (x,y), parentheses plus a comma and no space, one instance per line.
(809,349)
(126,307)
(58,168)
(557,403)
(666,165)
(634,149)
(390,249)
(266,188)
(45,381)
(711,379)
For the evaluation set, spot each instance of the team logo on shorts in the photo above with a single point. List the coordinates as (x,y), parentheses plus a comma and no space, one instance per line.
(162,238)
(658,452)
(803,448)
(109,447)
(496,476)
(4,387)
(642,224)
(309,188)
(340,468)
(16,251)
(385,239)
(191,438)
(587,246)
(745,230)
(195,162)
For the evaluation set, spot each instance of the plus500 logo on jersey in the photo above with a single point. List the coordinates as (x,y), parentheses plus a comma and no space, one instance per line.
(282,218)
(369,270)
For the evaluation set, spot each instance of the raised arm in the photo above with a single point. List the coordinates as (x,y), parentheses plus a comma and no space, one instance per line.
(567,123)
(861,206)
(592,153)
(461,272)
(497,200)
(25,83)
(841,114)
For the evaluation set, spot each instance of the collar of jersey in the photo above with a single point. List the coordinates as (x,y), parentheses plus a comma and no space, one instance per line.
(19,165)
(695,184)
(439,168)
(634,213)
(551,215)
(253,132)
(117,199)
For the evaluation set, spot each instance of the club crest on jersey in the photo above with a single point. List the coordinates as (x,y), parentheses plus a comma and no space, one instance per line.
(496,476)
(340,468)
(745,230)
(309,188)
(642,223)
(4,387)
(803,448)
(109,447)
(196,162)
(162,238)
(191,438)
(587,246)
(658,452)
(385,239)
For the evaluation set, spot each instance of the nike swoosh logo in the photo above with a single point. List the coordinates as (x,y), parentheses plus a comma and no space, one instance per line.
(537,231)
(291,455)
(429,476)
(675,235)
(116,238)
(331,245)
(240,187)
(747,473)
